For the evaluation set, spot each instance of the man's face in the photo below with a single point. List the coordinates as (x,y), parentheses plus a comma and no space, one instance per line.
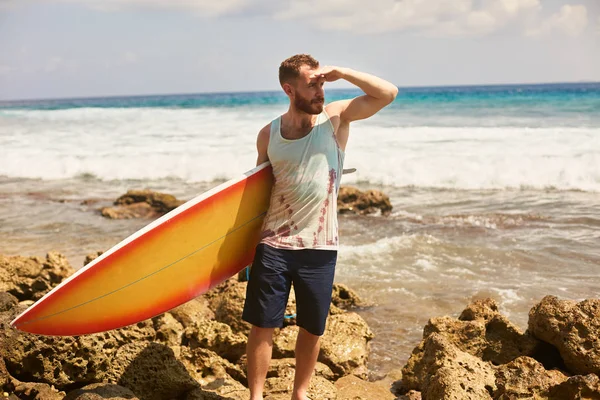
(309,96)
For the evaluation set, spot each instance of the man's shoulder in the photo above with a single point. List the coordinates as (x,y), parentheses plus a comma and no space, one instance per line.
(335,108)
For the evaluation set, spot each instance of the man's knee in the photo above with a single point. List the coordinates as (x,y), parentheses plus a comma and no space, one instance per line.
(262,333)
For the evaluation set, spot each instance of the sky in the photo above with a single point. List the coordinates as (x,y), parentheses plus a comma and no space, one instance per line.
(89,48)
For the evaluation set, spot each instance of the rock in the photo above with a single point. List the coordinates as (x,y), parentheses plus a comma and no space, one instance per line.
(284,342)
(151,371)
(392,381)
(345,298)
(505,342)
(5,379)
(100,391)
(354,388)
(280,380)
(443,371)
(7,301)
(577,387)
(352,200)
(136,210)
(37,391)
(495,339)
(168,330)
(319,388)
(141,204)
(411,395)
(218,378)
(573,328)
(468,336)
(525,377)
(193,312)
(229,305)
(64,361)
(206,366)
(483,309)
(161,201)
(217,337)
(91,257)
(30,278)
(345,345)
(284,367)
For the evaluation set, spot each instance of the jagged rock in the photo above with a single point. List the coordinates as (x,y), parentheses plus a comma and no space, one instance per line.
(442,371)
(345,298)
(217,337)
(284,367)
(206,366)
(483,309)
(345,345)
(468,336)
(100,391)
(392,381)
(168,330)
(496,339)
(573,328)
(91,257)
(37,391)
(410,395)
(136,210)
(193,312)
(352,200)
(7,301)
(352,387)
(284,342)
(141,204)
(151,371)
(30,278)
(525,377)
(229,305)
(5,378)
(280,380)
(64,361)
(319,388)
(577,387)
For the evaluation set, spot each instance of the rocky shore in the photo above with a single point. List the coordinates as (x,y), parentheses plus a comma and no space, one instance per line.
(196,351)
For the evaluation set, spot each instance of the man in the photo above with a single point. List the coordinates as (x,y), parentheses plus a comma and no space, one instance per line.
(300,234)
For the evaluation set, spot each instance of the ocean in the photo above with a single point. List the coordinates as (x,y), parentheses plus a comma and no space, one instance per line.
(495,189)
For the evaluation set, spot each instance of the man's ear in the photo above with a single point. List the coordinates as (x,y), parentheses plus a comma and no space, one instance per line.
(287,88)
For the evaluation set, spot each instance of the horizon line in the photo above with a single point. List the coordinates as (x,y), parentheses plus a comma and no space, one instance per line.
(116,96)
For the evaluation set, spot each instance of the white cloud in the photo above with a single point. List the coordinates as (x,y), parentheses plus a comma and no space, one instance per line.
(207,8)
(571,20)
(598,26)
(432,17)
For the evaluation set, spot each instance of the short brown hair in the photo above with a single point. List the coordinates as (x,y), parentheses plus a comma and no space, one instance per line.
(290,68)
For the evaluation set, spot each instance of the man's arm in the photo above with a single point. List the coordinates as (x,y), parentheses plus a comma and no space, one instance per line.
(262,144)
(378,94)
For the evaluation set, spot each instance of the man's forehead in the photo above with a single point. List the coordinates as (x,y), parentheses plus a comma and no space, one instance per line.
(306,72)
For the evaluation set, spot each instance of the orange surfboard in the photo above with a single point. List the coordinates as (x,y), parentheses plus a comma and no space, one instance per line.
(167,263)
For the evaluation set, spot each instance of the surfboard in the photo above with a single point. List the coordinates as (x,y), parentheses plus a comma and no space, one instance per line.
(172,260)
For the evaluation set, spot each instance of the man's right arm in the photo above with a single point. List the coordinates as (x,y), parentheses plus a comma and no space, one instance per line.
(262,144)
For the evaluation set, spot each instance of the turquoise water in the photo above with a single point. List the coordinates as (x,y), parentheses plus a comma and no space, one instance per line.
(573,104)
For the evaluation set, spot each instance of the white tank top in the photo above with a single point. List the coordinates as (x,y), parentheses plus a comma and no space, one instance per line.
(307,172)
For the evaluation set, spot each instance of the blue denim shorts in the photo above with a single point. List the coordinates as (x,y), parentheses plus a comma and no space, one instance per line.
(271,277)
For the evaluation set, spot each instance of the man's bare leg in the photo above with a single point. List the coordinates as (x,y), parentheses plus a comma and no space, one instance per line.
(307,352)
(259,351)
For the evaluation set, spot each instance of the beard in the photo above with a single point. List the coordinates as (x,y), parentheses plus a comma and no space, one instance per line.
(312,107)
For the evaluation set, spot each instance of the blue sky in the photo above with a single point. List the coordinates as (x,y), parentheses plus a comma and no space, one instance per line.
(80,48)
